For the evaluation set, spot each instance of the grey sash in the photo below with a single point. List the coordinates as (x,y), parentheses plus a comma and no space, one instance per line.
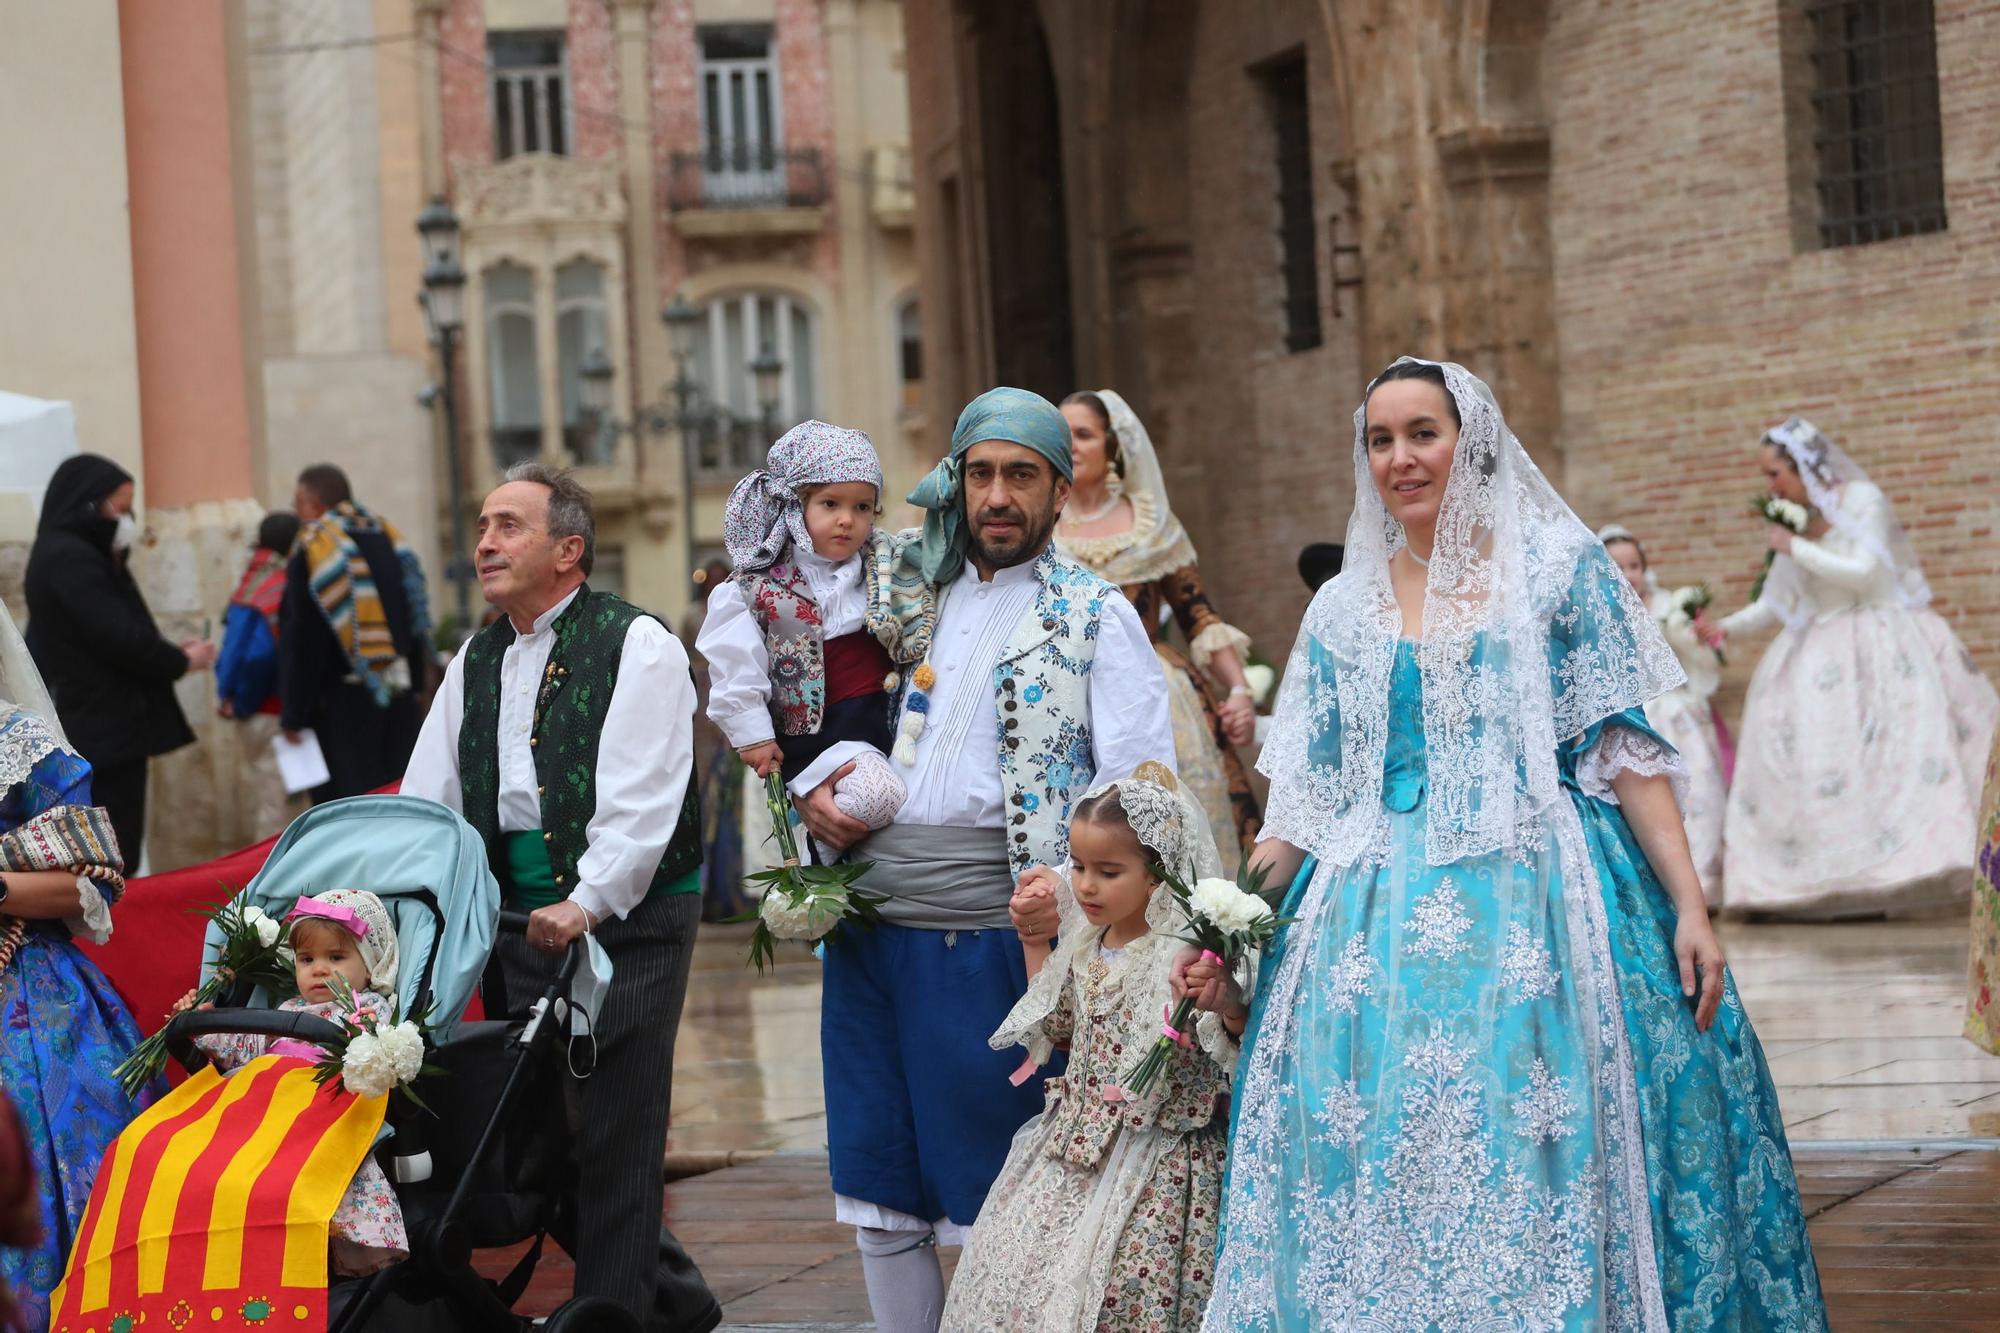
(939,878)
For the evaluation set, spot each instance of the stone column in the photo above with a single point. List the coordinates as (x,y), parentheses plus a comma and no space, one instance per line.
(660,471)
(429,19)
(863,348)
(193,264)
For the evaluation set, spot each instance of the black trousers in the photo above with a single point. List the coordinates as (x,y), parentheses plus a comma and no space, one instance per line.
(121,789)
(612,1225)
(366,745)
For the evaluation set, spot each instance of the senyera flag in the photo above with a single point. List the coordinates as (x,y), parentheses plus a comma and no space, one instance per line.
(211,1210)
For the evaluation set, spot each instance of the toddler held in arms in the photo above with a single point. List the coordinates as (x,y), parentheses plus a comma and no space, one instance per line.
(807,641)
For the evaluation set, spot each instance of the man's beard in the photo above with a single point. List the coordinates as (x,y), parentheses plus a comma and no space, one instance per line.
(1030,539)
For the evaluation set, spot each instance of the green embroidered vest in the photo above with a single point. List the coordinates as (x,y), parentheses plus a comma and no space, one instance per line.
(569,719)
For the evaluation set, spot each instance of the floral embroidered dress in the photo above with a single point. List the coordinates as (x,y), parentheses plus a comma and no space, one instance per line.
(367,1231)
(63,1029)
(1433,1151)
(1104,1216)
(1982,1020)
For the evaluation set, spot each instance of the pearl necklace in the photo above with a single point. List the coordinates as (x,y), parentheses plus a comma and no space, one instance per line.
(1084,520)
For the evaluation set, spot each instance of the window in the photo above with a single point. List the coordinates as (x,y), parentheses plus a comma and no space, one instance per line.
(513,380)
(738,329)
(530,93)
(742,126)
(910,355)
(1877,140)
(580,328)
(1284,82)
(607,569)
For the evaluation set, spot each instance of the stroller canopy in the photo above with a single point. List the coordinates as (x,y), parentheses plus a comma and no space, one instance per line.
(426,865)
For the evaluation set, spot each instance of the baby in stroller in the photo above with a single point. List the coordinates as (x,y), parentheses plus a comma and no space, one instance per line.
(192,1214)
(344,934)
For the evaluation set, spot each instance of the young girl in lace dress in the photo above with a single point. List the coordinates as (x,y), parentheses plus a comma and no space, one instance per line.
(1104,1216)
(344,933)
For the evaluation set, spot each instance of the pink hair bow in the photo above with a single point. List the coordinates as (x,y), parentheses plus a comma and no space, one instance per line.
(345,917)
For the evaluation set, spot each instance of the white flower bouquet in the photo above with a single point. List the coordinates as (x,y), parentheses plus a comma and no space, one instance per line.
(1785,513)
(805,903)
(1225,920)
(372,1057)
(255,948)
(1684,605)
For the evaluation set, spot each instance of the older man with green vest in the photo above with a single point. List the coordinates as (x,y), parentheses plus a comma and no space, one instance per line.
(564,733)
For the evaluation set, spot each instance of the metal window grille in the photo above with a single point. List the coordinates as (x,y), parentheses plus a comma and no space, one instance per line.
(530,94)
(1291,126)
(1878,138)
(742,118)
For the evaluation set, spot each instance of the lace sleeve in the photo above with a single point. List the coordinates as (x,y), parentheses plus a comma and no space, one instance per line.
(93,918)
(1620,749)
(1207,633)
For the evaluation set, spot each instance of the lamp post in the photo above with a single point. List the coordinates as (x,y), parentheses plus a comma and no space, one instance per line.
(683,409)
(443,302)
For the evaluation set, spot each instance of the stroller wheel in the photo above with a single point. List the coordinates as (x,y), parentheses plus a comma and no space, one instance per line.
(590,1314)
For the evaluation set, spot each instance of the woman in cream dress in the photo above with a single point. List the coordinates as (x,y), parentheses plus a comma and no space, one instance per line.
(1865,732)
(1118,523)
(1686,715)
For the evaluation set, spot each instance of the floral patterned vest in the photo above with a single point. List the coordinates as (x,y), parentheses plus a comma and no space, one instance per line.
(901,613)
(570,708)
(1041,693)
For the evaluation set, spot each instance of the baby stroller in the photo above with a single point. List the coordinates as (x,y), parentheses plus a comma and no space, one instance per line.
(483,1168)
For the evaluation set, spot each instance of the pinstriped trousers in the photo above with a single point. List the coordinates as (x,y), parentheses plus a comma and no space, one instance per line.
(612,1222)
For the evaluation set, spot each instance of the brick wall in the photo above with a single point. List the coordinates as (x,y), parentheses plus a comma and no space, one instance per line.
(465,98)
(1688,323)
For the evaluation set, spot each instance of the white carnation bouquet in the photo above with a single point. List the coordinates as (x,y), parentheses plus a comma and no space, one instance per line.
(1685,605)
(255,948)
(372,1057)
(1785,513)
(1225,920)
(805,903)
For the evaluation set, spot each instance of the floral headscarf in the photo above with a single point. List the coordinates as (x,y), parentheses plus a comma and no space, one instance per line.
(362,915)
(766,513)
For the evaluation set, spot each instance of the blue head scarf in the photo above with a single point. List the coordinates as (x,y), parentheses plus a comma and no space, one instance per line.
(1014,415)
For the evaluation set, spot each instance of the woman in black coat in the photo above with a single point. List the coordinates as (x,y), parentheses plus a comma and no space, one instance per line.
(108,668)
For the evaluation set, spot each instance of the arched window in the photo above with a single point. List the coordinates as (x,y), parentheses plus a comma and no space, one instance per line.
(580,328)
(737,329)
(513,381)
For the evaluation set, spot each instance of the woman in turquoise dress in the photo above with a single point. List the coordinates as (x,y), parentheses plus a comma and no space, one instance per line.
(63,1029)
(1495,1076)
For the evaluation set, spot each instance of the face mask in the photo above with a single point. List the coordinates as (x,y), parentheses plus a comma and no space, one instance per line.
(586,1001)
(125,533)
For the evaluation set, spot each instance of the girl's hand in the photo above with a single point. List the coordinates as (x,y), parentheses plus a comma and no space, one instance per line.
(1698,951)
(1238,714)
(1033,906)
(762,759)
(1209,982)
(1779,537)
(1708,631)
(182,1005)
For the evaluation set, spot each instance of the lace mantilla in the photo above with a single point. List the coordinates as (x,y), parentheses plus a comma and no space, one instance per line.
(1840,489)
(1530,635)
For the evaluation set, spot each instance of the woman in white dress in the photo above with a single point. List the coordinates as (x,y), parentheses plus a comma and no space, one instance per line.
(1686,715)
(1864,736)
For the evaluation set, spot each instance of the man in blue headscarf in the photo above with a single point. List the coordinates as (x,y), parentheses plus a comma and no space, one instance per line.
(1040,684)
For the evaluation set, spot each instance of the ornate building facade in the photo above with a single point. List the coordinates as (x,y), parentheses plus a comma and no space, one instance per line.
(1656,229)
(748,158)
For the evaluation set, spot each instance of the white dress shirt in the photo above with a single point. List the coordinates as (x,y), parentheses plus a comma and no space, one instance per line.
(739,661)
(956,780)
(644,757)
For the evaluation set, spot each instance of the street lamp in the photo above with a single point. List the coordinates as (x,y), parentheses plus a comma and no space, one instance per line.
(443,302)
(683,408)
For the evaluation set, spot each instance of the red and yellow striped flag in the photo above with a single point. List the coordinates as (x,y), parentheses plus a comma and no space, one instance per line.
(210,1211)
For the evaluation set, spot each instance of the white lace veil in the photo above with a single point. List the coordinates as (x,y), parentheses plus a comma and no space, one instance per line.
(1170,824)
(20,683)
(1827,470)
(1158,544)
(1520,594)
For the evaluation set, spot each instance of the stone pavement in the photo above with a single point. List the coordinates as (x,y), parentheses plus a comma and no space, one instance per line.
(1884,1102)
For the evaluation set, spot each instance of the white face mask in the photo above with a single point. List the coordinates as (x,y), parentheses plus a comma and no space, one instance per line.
(125,533)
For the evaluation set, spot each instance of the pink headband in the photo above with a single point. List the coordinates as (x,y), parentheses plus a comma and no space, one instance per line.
(345,917)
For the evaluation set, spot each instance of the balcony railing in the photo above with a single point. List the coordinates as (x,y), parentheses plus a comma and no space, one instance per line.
(748,176)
